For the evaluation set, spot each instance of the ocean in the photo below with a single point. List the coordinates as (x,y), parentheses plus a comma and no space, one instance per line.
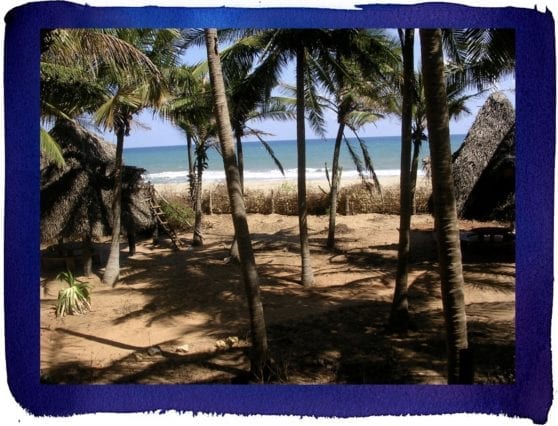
(169,164)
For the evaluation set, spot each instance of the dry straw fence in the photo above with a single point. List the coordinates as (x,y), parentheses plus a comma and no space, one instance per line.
(354,199)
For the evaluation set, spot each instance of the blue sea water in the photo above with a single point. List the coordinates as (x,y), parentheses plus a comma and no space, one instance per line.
(169,164)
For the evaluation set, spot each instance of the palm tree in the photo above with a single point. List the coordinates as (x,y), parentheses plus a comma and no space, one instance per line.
(204,134)
(259,357)
(273,49)
(399,315)
(279,46)
(250,101)
(68,75)
(356,78)
(128,98)
(118,79)
(192,111)
(481,57)
(447,231)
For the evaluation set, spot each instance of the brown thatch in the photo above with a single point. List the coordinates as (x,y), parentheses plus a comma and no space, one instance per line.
(76,200)
(484,165)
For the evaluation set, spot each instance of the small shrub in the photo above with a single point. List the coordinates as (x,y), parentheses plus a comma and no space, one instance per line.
(75,299)
(179,215)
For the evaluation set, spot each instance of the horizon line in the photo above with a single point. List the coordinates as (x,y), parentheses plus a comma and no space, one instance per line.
(276,140)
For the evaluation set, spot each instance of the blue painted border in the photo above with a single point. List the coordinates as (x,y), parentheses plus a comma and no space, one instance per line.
(530,397)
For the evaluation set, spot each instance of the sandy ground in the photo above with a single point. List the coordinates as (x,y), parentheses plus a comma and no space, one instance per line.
(181,316)
(274,184)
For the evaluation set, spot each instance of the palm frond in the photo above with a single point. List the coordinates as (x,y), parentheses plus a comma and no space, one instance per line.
(97,50)
(357,119)
(369,166)
(51,150)
(364,170)
(480,56)
(270,152)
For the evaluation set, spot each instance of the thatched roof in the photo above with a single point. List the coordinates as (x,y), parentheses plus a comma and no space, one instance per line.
(76,200)
(484,165)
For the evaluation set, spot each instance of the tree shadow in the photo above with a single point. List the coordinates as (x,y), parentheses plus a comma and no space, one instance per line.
(141,366)
(344,339)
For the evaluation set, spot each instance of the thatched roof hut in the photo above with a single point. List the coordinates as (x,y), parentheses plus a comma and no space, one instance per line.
(484,165)
(76,200)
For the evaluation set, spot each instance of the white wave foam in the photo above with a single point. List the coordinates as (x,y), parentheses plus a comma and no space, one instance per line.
(290,174)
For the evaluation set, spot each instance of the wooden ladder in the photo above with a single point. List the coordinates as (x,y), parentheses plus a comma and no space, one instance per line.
(160,218)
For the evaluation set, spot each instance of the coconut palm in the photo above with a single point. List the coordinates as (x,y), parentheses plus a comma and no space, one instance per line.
(191,109)
(356,79)
(269,51)
(400,306)
(308,47)
(355,105)
(204,136)
(129,93)
(259,357)
(127,99)
(278,47)
(126,93)
(413,123)
(478,57)
(250,102)
(447,231)
(119,80)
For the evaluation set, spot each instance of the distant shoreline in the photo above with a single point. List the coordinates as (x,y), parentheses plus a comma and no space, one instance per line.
(182,143)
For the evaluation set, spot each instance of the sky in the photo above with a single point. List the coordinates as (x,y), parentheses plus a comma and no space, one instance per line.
(150,130)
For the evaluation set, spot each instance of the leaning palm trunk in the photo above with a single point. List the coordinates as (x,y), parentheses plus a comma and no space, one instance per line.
(259,357)
(112,270)
(307,276)
(334,184)
(234,255)
(399,317)
(445,215)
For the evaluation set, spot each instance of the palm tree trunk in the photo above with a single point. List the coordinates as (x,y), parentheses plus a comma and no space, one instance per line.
(334,183)
(112,270)
(191,177)
(399,317)
(234,255)
(247,260)
(198,235)
(307,276)
(414,173)
(240,159)
(447,231)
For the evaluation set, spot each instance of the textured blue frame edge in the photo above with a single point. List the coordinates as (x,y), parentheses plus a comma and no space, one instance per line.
(530,397)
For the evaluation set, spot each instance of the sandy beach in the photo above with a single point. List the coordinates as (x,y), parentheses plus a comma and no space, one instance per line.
(275,184)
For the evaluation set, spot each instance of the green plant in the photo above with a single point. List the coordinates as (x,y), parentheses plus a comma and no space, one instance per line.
(75,299)
(179,215)
(288,187)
